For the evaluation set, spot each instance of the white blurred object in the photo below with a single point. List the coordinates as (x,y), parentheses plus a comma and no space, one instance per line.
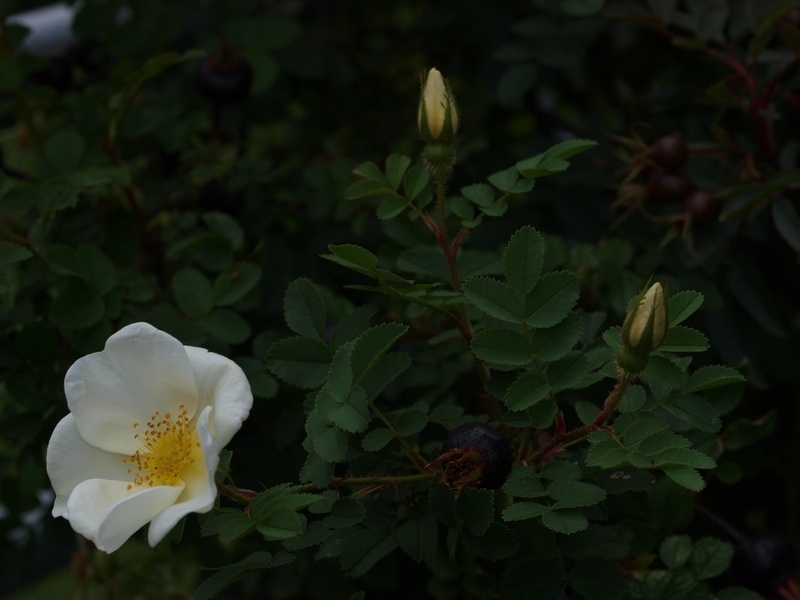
(50,28)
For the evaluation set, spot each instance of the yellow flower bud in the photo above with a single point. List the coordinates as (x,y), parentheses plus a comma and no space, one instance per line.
(437,116)
(644,329)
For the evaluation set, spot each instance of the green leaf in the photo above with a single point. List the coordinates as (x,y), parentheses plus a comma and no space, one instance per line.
(367,547)
(281,524)
(226,326)
(352,415)
(369,170)
(568,371)
(304,309)
(675,550)
(355,257)
(663,440)
(561,470)
(526,391)
(712,376)
(565,521)
(415,182)
(228,524)
(475,507)
(370,347)
(522,483)
(377,439)
(607,454)
(738,593)
(521,511)
(424,261)
(329,442)
(502,346)
(13,253)
(575,494)
(388,368)
(682,305)
(390,207)
(234,282)
(507,181)
(410,422)
(65,150)
(86,262)
(695,411)
(76,306)
(633,399)
(710,557)
(226,226)
(523,259)
(396,165)
(479,193)
(684,339)
(352,325)
(555,342)
(193,293)
(346,512)
(663,376)
(493,297)
(213,585)
(684,456)
(367,188)
(687,477)
(418,536)
(301,362)
(551,300)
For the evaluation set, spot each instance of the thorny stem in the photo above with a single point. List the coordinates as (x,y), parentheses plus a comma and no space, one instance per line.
(450,252)
(233,493)
(560,441)
(376,481)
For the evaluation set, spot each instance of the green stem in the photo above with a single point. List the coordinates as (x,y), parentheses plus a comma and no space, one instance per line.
(580,433)
(233,493)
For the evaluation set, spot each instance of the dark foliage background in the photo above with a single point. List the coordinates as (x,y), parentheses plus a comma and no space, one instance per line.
(118,176)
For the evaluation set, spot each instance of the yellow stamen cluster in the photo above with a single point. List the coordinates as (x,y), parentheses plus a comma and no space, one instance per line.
(168,447)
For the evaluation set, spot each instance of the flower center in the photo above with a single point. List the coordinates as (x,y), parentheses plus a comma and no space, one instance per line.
(169,445)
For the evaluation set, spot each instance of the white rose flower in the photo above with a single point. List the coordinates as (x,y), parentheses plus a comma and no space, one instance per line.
(148,418)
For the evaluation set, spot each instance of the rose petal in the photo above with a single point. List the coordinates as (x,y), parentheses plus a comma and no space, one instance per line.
(141,370)
(108,513)
(70,461)
(201,490)
(221,383)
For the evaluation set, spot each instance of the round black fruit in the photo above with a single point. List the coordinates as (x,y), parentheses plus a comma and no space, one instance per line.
(224,78)
(476,455)
(764,561)
(669,151)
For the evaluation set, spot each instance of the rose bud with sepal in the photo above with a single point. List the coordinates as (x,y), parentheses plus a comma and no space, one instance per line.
(476,455)
(643,330)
